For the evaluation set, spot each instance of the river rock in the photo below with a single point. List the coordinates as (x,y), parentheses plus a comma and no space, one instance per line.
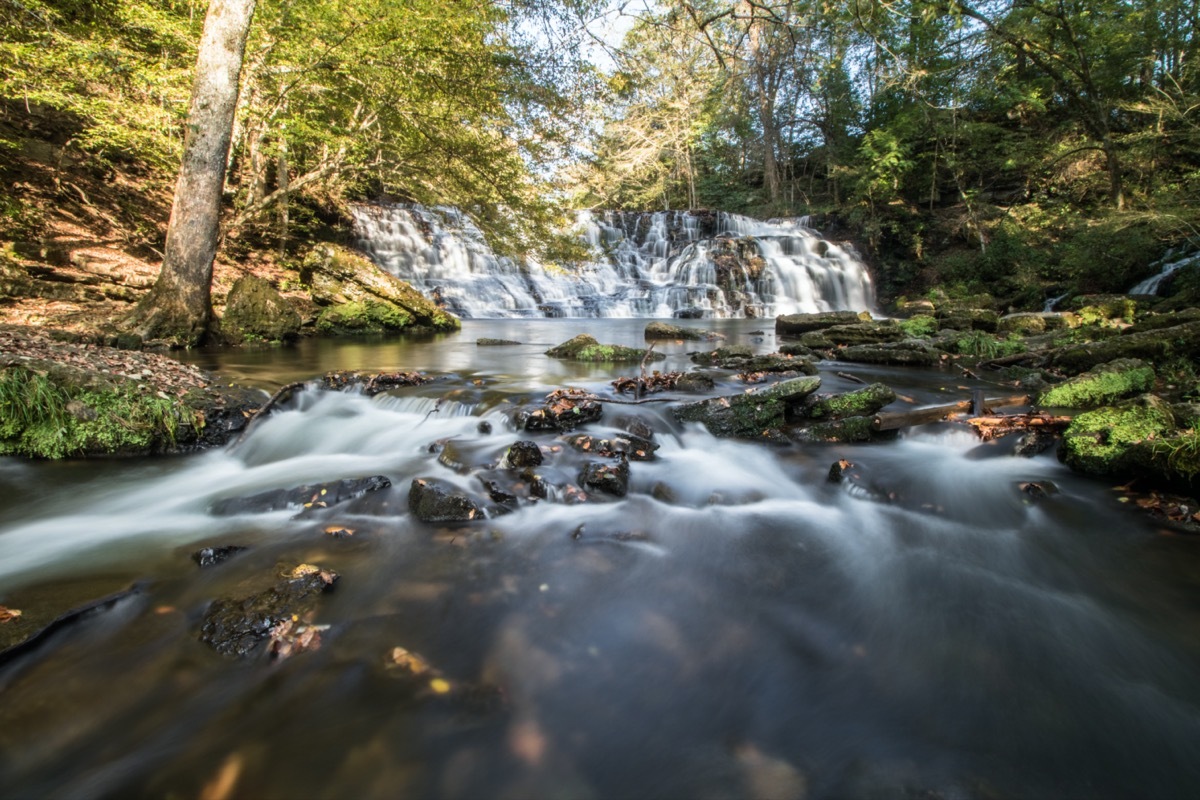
(486,342)
(860,402)
(359,297)
(255,310)
(586,348)
(1119,440)
(906,353)
(211,556)
(664,330)
(722,355)
(873,332)
(431,500)
(1033,323)
(797,324)
(694,382)
(1155,345)
(750,414)
(522,454)
(968,319)
(565,410)
(847,429)
(631,446)
(240,627)
(610,477)
(308,496)
(1101,386)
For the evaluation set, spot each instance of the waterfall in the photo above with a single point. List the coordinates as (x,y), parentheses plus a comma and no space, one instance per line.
(1152,284)
(660,264)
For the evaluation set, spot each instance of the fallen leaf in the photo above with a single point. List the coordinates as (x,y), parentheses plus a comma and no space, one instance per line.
(440,686)
(9,614)
(409,661)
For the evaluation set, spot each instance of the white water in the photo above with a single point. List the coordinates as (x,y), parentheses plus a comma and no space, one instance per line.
(660,264)
(1169,267)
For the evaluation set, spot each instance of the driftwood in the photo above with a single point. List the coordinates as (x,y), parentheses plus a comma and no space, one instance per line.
(993,427)
(850,377)
(895,420)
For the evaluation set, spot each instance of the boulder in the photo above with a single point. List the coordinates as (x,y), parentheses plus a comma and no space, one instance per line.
(1117,440)
(741,359)
(522,454)
(663,330)
(564,410)
(968,319)
(1101,386)
(308,496)
(873,332)
(694,382)
(255,311)
(431,500)
(751,414)
(1033,323)
(625,445)
(611,477)
(360,297)
(858,403)
(906,353)
(240,627)
(486,342)
(796,324)
(586,348)
(846,430)
(722,354)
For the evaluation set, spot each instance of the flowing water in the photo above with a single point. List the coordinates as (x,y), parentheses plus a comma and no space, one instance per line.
(737,626)
(669,263)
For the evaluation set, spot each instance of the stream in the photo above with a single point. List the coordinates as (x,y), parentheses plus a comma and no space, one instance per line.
(737,626)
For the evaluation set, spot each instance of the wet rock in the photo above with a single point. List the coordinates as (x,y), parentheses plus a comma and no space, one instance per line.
(255,310)
(361,298)
(1157,345)
(565,410)
(722,354)
(430,500)
(370,383)
(741,359)
(689,313)
(907,353)
(628,445)
(1033,323)
(497,493)
(586,348)
(1101,386)
(1117,440)
(486,342)
(609,477)
(848,429)
(861,402)
(751,414)
(794,349)
(522,454)
(1033,442)
(211,556)
(636,426)
(241,627)
(874,332)
(697,382)
(316,495)
(797,324)
(837,471)
(663,330)
(484,427)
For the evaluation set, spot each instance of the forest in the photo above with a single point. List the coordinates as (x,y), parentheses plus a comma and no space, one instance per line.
(1028,148)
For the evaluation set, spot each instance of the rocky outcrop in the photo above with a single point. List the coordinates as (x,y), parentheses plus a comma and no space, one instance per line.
(241,627)
(1101,386)
(359,297)
(255,311)
(797,324)
(431,500)
(1154,345)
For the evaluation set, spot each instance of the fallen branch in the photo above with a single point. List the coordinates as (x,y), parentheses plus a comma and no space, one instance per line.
(281,396)
(993,427)
(894,420)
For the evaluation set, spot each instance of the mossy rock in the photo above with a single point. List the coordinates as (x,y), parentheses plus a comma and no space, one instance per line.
(968,319)
(1116,440)
(797,324)
(920,326)
(1101,386)
(847,430)
(1157,346)
(337,276)
(755,414)
(255,311)
(861,402)
(910,353)
(657,330)
(585,348)
(873,332)
(722,355)
(362,318)
(1031,323)
(1094,308)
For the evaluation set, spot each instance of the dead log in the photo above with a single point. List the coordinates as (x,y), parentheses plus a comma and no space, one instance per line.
(993,427)
(895,420)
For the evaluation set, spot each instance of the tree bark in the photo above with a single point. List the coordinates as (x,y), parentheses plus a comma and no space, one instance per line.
(179,307)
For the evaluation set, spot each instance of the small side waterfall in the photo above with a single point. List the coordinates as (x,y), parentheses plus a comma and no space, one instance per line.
(1170,265)
(662,264)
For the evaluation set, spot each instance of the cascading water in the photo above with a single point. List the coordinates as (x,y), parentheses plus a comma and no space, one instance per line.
(1170,265)
(663,264)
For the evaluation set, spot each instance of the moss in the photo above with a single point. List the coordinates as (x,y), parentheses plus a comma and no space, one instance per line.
(984,345)
(863,401)
(586,348)
(850,429)
(1102,386)
(48,418)
(750,415)
(1180,453)
(1104,441)
(255,311)
(921,326)
(363,317)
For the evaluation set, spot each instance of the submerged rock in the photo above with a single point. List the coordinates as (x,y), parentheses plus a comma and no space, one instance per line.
(1101,386)
(430,500)
(211,556)
(797,324)
(240,627)
(665,330)
(314,495)
(752,414)
(486,342)
(847,429)
(255,310)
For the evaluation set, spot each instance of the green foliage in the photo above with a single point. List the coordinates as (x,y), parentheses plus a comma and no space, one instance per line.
(985,345)
(1181,452)
(1102,386)
(46,418)
(919,327)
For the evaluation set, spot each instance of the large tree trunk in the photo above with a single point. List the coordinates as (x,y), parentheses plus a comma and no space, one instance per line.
(179,307)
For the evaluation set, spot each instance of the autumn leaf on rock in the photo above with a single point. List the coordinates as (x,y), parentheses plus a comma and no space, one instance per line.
(9,614)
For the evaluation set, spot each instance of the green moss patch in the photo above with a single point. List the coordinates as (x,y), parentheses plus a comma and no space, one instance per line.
(44,417)
(363,317)
(1106,441)
(1102,386)
(861,402)
(921,326)
(586,348)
